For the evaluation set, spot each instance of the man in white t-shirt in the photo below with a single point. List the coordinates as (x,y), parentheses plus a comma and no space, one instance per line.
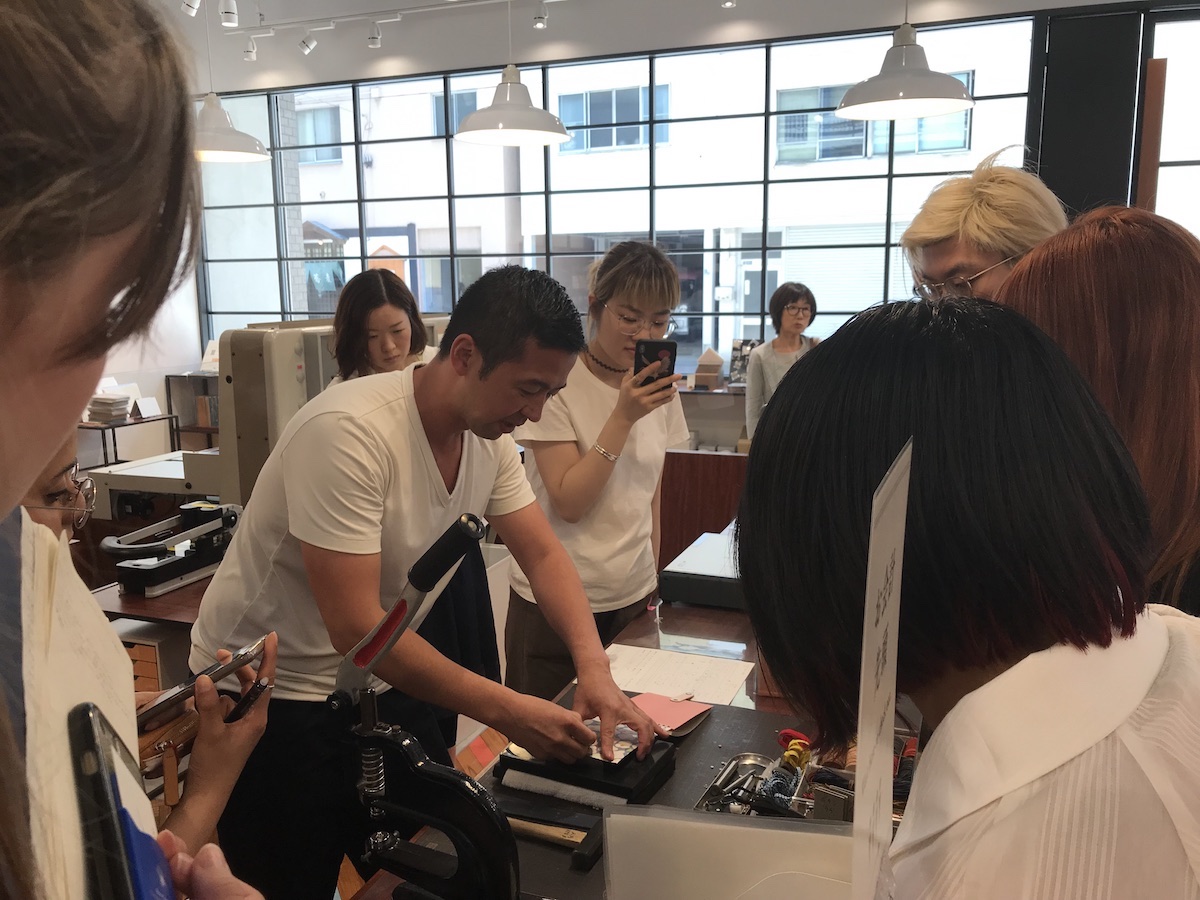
(363,480)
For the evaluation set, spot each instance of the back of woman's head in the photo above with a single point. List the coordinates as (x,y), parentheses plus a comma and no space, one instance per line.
(95,139)
(1119,291)
(362,295)
(1026,524)
(635,273)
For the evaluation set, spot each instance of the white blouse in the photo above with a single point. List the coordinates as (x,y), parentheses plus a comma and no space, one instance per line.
(1072,775)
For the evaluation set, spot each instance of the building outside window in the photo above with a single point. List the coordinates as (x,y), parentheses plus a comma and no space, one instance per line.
(728,158)
(320,126)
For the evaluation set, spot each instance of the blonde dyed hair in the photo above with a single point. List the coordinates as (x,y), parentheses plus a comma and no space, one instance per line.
(635,273)
(998,209)
(96,138)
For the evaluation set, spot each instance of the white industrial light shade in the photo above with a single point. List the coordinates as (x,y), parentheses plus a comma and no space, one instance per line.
(905,88)
(375,37)
(228,12)
(218,141)
(542,17)
(190,7)
(512,120)
(250,54)
(308,43)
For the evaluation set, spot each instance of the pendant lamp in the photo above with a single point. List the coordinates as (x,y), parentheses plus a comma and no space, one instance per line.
(905,88)
(218,141)
(512,120)
(216,138)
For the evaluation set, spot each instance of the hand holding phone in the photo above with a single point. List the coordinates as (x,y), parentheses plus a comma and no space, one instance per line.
(168,700)
(123,861)
(646,353)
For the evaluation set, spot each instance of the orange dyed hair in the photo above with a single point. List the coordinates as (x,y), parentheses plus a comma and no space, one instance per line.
(1119,290)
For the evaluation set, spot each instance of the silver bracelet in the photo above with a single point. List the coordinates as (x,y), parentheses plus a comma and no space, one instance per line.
(611,457)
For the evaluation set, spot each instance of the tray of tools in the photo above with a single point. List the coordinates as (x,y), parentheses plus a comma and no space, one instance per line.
(753,784)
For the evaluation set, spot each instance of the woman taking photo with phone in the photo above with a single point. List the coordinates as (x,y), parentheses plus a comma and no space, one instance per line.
(792,308)
(595,462)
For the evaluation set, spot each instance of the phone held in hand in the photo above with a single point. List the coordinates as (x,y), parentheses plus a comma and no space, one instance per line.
(647,352)
(122,858)
(167,700)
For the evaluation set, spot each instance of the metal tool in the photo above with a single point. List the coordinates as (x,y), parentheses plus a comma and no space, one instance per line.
(401,787)
(150,564)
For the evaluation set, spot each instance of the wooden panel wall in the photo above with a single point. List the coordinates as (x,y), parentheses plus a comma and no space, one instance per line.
(701,492)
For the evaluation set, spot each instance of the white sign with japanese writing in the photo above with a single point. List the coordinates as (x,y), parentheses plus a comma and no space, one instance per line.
(877,697)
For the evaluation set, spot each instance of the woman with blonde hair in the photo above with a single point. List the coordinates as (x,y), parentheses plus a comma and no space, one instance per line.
(595,461)
(1119,291)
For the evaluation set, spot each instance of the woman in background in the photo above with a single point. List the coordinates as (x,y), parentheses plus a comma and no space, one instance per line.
(1119,291)
(99,218)
(595,462)
(1063,760)
(377,326)
(792,308)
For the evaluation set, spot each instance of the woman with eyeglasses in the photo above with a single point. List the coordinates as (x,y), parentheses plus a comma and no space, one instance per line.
(595,461)
(792,308)
(99,219)
(60,499)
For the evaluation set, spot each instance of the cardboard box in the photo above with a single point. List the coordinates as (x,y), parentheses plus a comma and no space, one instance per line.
(709,368)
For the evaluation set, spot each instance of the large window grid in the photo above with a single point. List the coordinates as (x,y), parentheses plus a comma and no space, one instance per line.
(728,273)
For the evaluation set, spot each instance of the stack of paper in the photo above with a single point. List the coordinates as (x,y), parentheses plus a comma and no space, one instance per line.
(108,407)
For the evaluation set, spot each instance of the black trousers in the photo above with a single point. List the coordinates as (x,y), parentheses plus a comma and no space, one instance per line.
(295,810)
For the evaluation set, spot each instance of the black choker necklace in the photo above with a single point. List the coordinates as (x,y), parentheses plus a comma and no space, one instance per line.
(603,365)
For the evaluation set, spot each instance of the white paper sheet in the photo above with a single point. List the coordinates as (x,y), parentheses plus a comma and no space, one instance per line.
(71,655)
(709,679)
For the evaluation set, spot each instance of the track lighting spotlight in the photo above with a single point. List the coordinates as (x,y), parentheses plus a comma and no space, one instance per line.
(250,54)
(542,16)
(375,37)
(190,7)
(728,4)
(307,43)
(229,16)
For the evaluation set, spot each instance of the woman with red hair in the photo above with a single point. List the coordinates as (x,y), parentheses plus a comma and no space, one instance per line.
(1119,291)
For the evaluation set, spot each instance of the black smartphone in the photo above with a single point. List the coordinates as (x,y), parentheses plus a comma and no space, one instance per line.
(122,859)
(167,700)
(647,352)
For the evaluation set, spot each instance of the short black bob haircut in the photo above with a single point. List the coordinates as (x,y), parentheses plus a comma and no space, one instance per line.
(508,306)
(786,294)
(1027,526)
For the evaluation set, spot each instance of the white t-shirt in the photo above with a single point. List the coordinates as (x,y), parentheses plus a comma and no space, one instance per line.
(352,472)
(1071,775)
(610,545)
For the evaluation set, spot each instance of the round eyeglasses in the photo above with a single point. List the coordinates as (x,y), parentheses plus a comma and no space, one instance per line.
(958,286)
(633,325)
(81,489)
(795,309)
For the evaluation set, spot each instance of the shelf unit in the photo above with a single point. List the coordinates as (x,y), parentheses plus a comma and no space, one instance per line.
(183,392)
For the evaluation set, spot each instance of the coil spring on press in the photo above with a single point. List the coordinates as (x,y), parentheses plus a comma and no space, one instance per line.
(372,772)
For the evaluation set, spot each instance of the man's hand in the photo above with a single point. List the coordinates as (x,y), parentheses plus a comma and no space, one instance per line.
(546,730)
(597,695)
